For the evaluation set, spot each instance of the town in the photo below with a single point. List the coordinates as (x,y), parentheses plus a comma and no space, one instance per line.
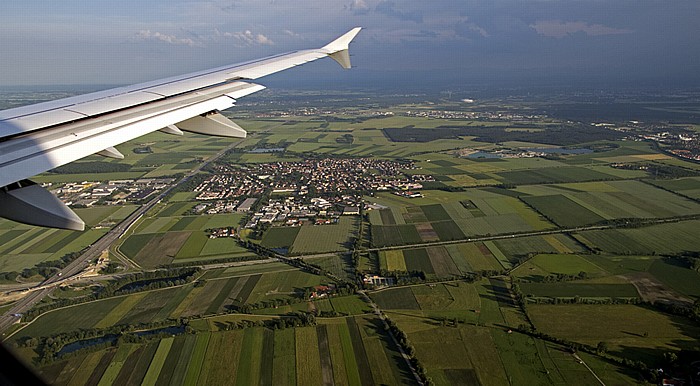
(313,190)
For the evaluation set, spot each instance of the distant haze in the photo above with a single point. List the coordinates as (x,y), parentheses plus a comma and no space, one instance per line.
(405,45)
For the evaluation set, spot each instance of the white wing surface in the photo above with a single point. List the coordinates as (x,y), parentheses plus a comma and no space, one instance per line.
(40,137)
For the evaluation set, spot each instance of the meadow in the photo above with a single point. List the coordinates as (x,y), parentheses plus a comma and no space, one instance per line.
(630,331)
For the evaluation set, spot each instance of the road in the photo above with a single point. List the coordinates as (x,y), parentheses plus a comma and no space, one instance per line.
(639,223)
(93,251)
(382,317)
(579,360)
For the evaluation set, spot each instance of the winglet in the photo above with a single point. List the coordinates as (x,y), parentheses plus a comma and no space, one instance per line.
(338,48)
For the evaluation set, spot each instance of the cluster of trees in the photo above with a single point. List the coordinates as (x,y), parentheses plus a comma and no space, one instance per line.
(9,276)
(522,298)
(297,319)
(223,260)
(405,277)
(345,138)
(48,268)
(691,312)
(408,348)
(111,267)
(659,171)
(688,259)
(450,322)
(632,222)
(334,314)
(559,277)
(150,280)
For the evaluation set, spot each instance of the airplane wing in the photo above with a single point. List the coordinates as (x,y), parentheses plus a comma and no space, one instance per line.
(40,137)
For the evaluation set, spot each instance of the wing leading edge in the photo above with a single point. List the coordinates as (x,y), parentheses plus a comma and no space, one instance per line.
(38,138)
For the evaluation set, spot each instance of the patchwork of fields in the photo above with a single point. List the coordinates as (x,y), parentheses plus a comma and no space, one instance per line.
(477,213)
(23,246)
(169,237)
(223,294)
(350,350)
(457,259)
(478,350)
(462,332)
(576,204)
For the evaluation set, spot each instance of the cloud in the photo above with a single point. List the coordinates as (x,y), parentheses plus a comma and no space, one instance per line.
(358,7)
(248,38)
(170,39)
(468,29)
(559,29)
(292,34)
(387,7)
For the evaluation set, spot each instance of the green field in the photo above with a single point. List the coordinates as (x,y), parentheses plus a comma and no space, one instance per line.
(325,238)
(543,265)
(280,237)
(563,211)
(657,239)
(388,235)
(629,331)
(576,204)
(521,247)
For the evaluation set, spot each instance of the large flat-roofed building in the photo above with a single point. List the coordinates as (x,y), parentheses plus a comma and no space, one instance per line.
(246,205)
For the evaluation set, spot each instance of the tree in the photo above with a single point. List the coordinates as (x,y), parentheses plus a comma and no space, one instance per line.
(670,357)
(602,348)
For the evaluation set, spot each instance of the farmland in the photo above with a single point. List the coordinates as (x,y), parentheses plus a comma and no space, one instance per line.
(492,271)
(475,349)
(335,351)
(169,237)
(629,330)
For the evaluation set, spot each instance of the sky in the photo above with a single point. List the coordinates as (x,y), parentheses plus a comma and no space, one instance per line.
(404,44)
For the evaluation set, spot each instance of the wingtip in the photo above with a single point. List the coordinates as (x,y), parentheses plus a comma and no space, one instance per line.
(343,41)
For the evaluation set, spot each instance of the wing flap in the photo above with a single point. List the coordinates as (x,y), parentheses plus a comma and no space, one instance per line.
(212,124)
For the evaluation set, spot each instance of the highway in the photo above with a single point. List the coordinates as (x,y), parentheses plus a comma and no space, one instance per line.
(36,294)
